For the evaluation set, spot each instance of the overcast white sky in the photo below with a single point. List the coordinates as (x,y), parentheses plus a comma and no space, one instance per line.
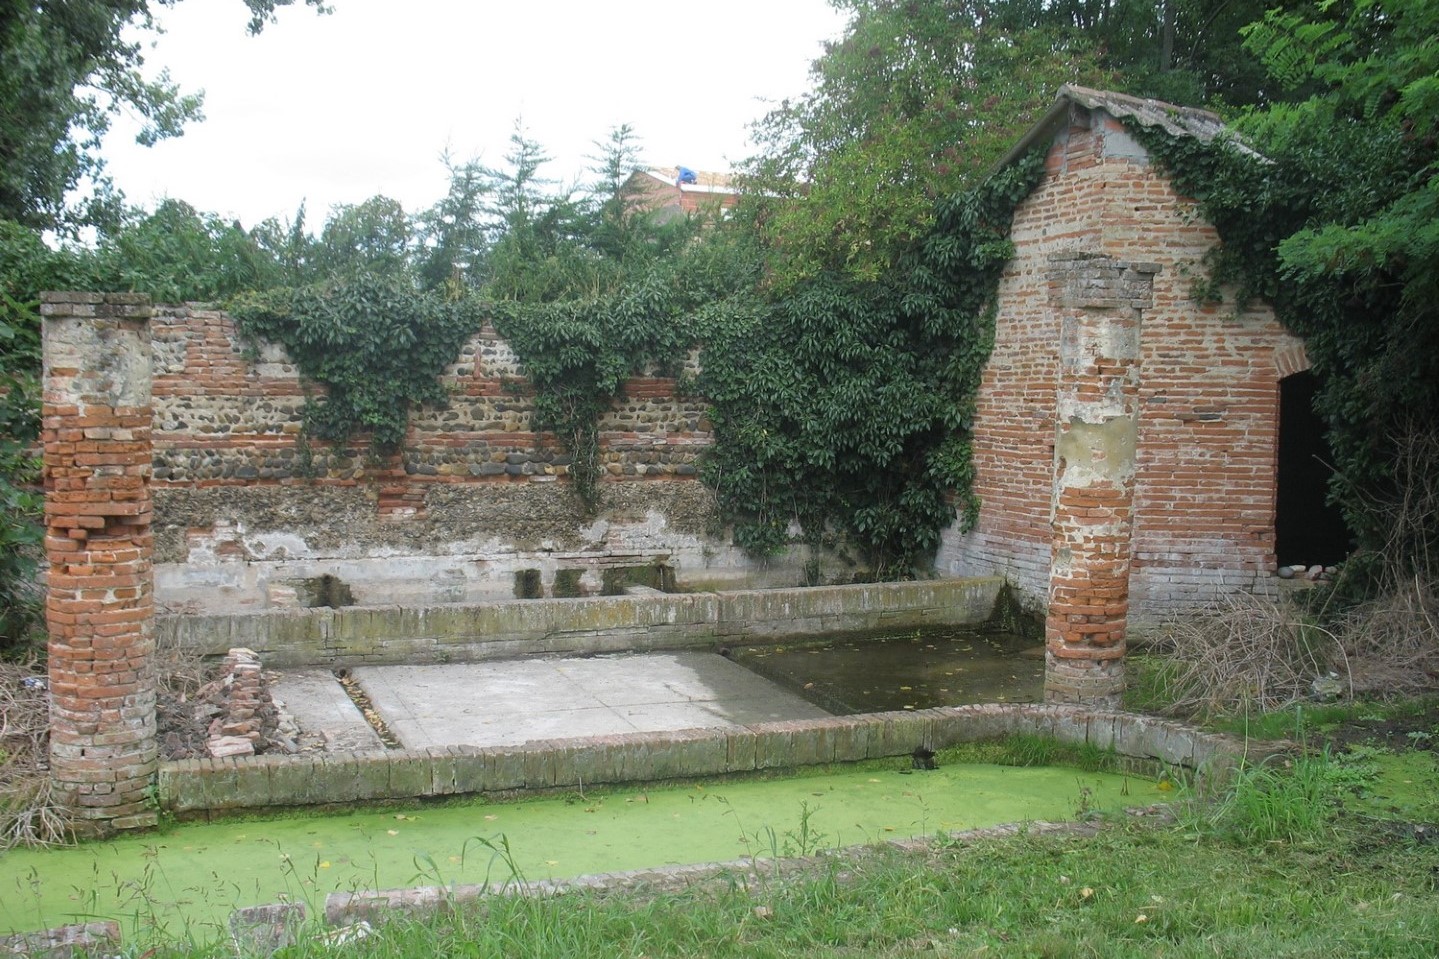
(335,109)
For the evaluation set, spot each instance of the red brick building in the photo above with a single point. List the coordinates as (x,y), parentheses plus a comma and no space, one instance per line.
(662,191)
(1121,423)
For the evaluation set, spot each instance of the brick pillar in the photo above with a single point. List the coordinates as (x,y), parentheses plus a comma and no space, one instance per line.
(99,607)
(1100,302)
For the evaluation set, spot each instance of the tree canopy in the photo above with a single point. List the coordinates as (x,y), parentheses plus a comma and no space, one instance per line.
(1189,52)
(918,100)
(67,68)
(910,105)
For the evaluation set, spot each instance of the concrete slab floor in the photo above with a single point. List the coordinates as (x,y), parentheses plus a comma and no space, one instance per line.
(326,715)
(509,702)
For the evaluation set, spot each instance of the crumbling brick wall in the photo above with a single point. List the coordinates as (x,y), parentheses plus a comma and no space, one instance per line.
(474,502)
(1207,389)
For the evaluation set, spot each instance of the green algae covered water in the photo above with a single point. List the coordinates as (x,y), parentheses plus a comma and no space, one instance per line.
(184,881)
(904,669)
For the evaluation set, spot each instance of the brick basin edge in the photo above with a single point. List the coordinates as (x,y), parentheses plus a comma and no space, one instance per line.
(208,788)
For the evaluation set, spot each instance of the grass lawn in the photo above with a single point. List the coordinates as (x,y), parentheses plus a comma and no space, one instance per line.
(1357,888)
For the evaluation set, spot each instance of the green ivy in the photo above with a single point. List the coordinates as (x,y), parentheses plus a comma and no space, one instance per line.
(376,344)
(839,405)
(21,502)
(27,266)
(843,406)
(577,355)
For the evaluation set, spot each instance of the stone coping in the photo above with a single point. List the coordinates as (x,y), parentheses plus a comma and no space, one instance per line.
(469,632)
(64,942)
(201,788)
(377,906)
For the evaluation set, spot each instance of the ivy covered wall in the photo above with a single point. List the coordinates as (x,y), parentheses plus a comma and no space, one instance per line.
(1208,376)
(845,430)
(246,513)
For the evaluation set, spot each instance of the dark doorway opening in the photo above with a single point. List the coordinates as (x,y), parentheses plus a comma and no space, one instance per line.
(1307,528)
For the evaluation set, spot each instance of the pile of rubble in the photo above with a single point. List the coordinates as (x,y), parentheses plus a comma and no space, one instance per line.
(231,715)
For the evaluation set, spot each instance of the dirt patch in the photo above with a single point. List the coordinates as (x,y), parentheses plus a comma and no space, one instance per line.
(1414,730)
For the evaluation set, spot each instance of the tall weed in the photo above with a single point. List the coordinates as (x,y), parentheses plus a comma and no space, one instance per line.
(1293,800)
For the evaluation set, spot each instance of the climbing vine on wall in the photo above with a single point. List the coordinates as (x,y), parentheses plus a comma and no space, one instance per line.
(377,345)
(839,405)
(578,353)
(1372,343)
(577,356)
(843,406)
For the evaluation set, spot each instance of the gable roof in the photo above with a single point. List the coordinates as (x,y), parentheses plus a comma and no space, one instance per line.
(1202,125)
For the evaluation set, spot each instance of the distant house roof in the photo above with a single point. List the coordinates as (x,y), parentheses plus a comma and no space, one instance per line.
(1202,125)
(705,182)
(659,190)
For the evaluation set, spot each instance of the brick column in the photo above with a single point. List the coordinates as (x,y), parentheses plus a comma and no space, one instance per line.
(99,607)
(1100,302)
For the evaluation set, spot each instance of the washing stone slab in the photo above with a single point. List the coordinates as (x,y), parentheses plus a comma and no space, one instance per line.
(324,711)
(510,702)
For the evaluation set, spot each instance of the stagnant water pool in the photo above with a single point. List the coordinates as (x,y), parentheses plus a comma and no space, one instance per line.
(904,669)
(185,880)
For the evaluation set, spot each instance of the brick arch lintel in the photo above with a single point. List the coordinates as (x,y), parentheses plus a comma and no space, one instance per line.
(1291,358)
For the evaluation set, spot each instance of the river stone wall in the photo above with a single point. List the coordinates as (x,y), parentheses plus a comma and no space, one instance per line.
(475,506)
(198,788)
(467,633)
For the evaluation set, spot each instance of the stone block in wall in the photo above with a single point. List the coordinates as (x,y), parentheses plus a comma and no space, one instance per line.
(1035,720)
(590,761)
(299,777)
(1103,730)
(249,782)
(540,764)
(772,745)
(440,762)
(181,785)
(741,750)
(218,784)
(635,756)
(370,774)
(1146,736)
(471,769)
(970,724)
(812,743)
(409,773)
(1071,727)
(504,768)
(904,732)
(677,754)
(843,739)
